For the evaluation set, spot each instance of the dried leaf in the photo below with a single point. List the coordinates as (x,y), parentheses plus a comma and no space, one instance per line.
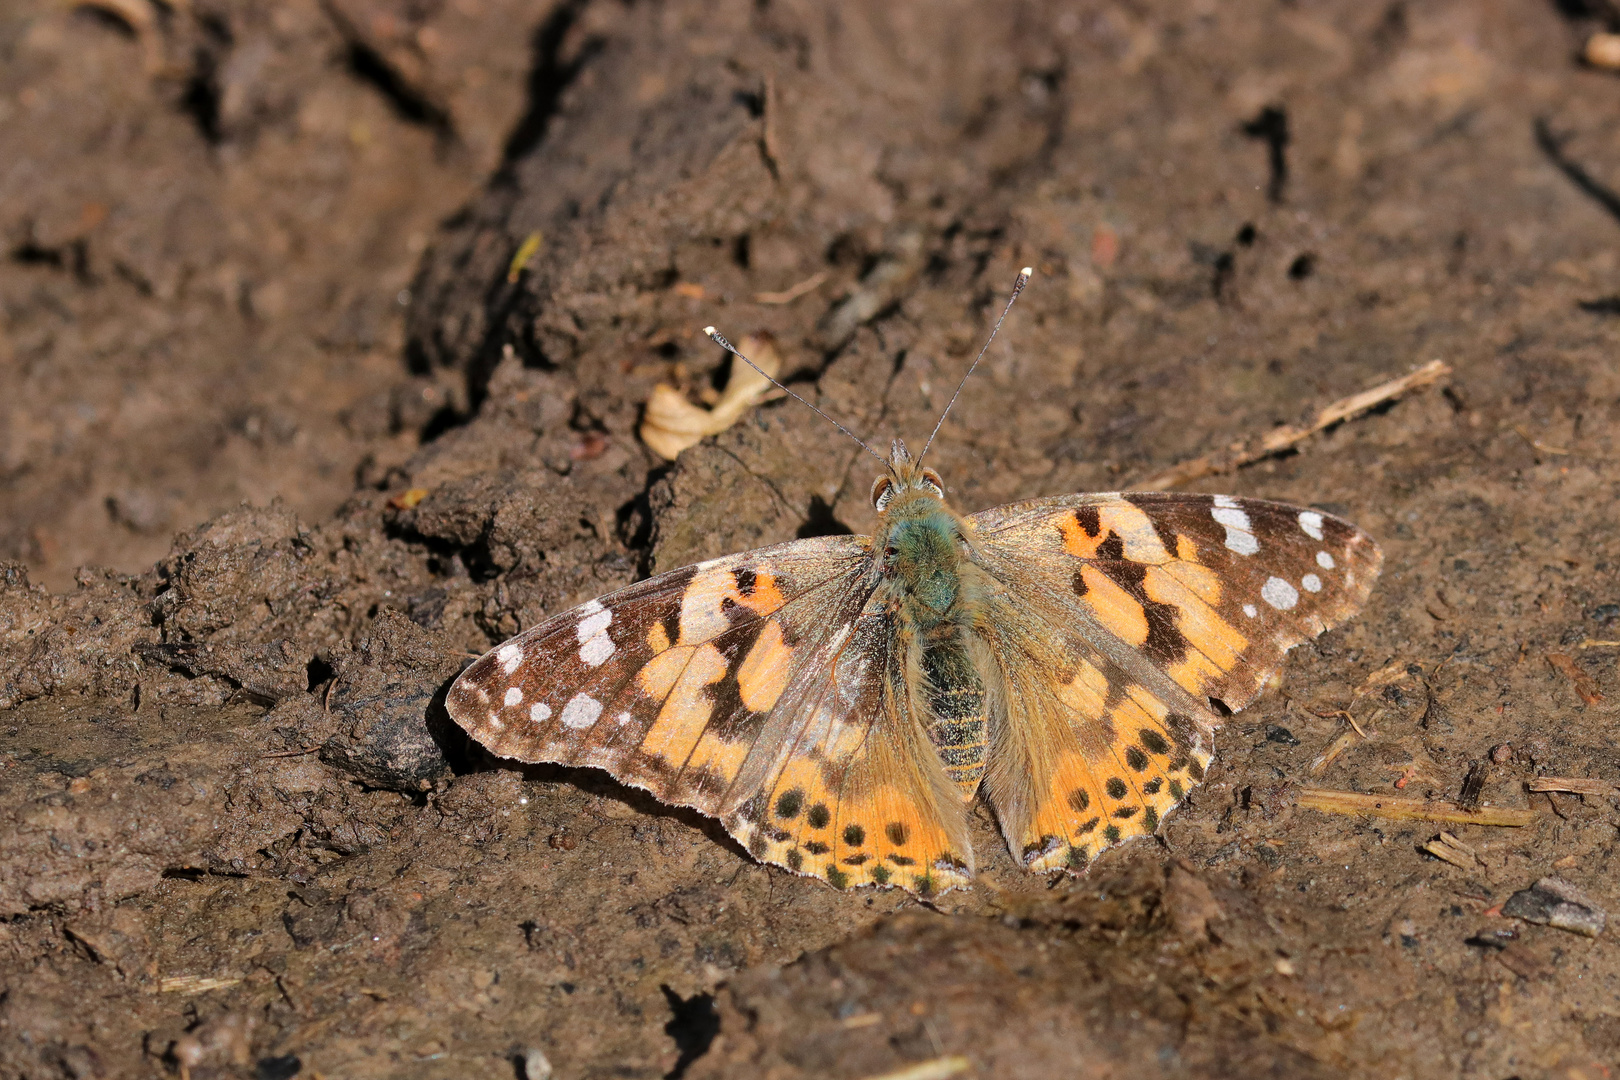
(671,423)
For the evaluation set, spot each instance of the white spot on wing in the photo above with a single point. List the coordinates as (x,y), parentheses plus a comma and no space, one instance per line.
(1279,594)
(510,657)
(581,711)
(1311,522)
(623,718)
(495,722)
(594,644)
(539,712)
(514,696)
(1239,530)
(596,651)
(1311,582)
(1324,560)
(1250,610)
(590,607)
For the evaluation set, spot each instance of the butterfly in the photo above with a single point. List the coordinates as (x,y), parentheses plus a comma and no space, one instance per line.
(839,702)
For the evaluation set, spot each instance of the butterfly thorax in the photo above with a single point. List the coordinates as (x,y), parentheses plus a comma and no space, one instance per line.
(921,551)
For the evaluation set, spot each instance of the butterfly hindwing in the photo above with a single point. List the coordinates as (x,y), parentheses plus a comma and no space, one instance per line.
(1118,618)
(756,688)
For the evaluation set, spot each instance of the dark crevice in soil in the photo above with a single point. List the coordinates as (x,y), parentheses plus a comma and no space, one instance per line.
(550,76)
(369,66)
(693,1025)
(200,97)
(1552,144)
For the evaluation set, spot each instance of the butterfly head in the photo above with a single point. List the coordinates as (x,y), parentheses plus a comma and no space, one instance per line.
(905,482)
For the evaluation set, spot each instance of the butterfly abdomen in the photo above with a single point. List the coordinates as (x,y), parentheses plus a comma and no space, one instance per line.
(953,694)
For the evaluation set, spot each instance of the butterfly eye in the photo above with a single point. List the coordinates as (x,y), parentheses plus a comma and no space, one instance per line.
(882,492)
(931,480)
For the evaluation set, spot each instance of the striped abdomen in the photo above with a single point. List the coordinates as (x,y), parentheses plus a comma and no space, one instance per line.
(954,696)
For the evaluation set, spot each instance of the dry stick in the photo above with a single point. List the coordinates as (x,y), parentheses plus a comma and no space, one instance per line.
(1448,848)
(1401,809)
(1577,785)
(1289,435)
(792,292)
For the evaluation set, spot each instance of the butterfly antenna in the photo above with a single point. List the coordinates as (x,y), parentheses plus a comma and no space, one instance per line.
(720,340)
(1018,287)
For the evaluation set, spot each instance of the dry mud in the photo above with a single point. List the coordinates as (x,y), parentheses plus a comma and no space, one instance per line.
(287,436)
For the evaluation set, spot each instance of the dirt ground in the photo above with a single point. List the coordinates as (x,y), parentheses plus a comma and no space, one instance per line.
(325,329)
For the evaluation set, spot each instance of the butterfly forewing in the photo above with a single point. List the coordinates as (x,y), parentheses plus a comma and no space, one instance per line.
(1119,618)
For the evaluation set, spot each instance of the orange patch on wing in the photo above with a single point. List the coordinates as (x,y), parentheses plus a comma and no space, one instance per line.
(1114,607)
(1216,645)
(657,676)
(1058,813)
(765,671)
(766,597)
(1087,692)
(687,711)
(722,757)
(1078,542)
(1197,578)
(703,606)
(658,639)
(1200,623)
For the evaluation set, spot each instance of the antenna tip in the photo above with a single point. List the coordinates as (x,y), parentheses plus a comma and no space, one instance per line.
(709,331)
(1028,271)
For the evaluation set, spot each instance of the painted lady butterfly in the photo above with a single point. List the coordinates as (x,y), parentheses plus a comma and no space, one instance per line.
(838,702)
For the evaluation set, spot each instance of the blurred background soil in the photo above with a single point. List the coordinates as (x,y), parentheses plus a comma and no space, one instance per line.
(325,329)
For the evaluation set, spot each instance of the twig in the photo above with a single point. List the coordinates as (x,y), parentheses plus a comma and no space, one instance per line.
(792,292)
(1347,739)
(1403,809)
(1283,438)
(1584,686)
(1538,445)
(940,1068)
(1578,785)
(1448,848)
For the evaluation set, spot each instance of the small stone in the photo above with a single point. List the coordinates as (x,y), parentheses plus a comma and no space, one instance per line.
(1558,903)
(536,1066)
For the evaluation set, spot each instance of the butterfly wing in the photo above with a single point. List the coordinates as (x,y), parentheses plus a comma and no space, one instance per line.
(761,689)
(1130,613)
